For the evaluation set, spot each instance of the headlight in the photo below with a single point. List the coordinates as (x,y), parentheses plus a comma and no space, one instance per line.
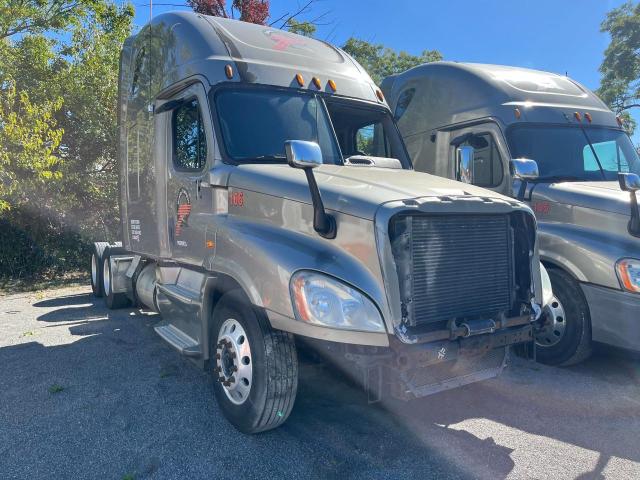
(628,270)
(323,300)
(547,291)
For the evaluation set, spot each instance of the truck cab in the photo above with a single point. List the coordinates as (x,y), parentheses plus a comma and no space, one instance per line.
(267,197)
(547,140)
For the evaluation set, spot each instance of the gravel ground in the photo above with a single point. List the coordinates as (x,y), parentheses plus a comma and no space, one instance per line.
(91,393)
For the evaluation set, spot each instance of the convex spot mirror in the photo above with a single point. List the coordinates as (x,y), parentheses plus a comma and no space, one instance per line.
(303,154)
(464,160)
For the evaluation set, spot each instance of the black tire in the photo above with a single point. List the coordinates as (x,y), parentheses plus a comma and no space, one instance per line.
(96,268)
(575,344)
(113,300)
(275,367)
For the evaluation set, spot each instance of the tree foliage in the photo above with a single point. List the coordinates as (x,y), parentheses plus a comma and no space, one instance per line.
(58,182)
(252,11)
(38,16)
(620,85)
(381,61)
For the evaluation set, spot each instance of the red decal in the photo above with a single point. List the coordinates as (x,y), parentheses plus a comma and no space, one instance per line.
(183,212)
(542,207)
(237,199)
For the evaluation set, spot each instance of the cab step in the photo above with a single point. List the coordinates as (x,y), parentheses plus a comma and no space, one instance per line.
(179,340)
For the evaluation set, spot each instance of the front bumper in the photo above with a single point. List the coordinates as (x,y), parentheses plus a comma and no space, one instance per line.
(615,316)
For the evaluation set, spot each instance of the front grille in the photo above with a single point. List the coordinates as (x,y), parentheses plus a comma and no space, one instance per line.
(456,266)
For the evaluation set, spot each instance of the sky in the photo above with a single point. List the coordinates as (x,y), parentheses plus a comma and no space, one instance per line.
(561,36)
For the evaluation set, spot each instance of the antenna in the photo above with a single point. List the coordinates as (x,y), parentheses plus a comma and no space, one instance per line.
(150,10)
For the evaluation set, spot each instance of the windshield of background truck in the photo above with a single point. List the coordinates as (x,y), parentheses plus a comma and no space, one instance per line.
(256,123)
(565,153)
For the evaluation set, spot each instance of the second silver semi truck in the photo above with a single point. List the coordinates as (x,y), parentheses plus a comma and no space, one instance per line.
(266,194)
(548,140)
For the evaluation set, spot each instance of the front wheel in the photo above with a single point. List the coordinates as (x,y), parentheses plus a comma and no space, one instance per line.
(255,367)
(565,338)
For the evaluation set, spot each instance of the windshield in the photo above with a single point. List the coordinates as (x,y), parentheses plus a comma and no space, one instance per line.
(255,123)
(571,154)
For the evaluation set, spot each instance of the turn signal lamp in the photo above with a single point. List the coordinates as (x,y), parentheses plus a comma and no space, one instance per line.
(228,70)
(517,113)
(316,82)
(379,95)
(628,270)
(587,115)
(619,120)
(333,85)
(577,116)
(300,79)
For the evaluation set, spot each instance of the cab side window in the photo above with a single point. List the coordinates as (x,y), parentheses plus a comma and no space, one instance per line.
(189,142)
(487,163)
(403,103)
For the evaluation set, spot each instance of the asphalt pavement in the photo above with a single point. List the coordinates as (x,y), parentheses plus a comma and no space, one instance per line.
(90,393)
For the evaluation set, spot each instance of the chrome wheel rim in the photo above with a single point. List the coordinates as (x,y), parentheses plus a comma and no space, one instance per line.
(234,365)
(106,280)
(94,270)
(555,325)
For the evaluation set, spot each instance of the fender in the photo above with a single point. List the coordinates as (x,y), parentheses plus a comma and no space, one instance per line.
(589,255)
(261,258)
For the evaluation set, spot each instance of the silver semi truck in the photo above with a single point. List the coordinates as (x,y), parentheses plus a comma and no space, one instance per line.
(266,195)
(548,140)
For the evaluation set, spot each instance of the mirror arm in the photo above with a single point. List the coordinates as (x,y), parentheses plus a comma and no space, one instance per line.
(634,223)
(323,223)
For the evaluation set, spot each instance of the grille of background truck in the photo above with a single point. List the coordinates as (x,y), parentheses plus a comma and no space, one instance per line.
(455,266)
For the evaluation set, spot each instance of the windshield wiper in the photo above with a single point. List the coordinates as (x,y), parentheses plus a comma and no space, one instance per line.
(557,179)
(263,158)
(593,150)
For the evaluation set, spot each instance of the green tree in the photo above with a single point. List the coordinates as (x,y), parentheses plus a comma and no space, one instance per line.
(307,29)
(58,109)
(38,16)
(381,61)
(620,84)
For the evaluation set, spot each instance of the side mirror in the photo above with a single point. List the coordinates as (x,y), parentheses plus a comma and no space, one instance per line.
(465,164)
(307,156)
(629,182)
(524,169)
(302,154)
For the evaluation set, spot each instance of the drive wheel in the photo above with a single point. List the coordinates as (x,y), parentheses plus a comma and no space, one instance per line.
(255,368)
(565,338)
(113,300)
(96,268)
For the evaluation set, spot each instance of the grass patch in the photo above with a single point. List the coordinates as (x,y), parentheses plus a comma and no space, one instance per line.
(55,388)
(129,476)
(30,333)
(70,279)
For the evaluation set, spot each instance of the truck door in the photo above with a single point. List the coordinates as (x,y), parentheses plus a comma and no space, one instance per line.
(189,156)
(491,156)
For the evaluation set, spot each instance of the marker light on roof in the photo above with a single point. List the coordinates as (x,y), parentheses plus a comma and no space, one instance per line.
(619,120)
(300,79)
(317,83)
(333,85)
(587,115)
(517,113)
(379,95)
(228,70)
(577,116)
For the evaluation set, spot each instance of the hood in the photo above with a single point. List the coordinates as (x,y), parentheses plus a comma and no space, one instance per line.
(355,191)
(605,196)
